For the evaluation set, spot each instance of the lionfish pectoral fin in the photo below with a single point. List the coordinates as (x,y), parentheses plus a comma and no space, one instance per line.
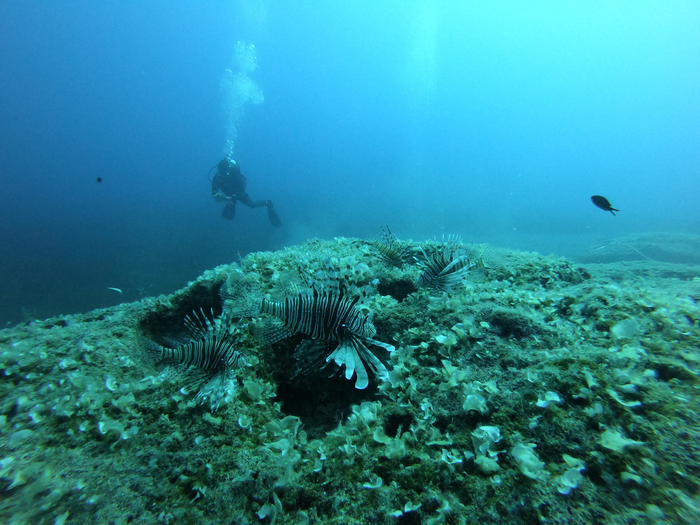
(153,349)
(343,355)
(217,388)
(378,368)
(241,295)
(310,355)
(453,266)
(346,354)
(192,378)
(385,346)
(172,372)
(270,331)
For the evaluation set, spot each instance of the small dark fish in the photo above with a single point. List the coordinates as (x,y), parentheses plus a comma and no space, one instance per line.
(99,179)
(603,203)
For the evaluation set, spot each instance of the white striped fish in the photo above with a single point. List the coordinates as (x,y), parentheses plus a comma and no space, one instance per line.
(208,353)
(329,316)
(390,248)
(444,270)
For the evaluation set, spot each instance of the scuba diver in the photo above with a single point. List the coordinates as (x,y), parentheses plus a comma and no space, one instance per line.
(228,185)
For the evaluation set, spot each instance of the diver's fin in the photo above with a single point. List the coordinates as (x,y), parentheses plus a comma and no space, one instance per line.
(272,215)
(229,211)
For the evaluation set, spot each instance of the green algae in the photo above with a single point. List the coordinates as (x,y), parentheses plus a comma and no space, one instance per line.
(92,434)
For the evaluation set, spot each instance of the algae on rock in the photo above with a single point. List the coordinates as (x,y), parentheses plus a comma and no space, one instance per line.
(531,353)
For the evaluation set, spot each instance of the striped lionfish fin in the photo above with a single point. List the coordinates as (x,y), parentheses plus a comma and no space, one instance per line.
(346,354)
(390,249)
(190,379)
(351,353)
(153,349)
(270,331)
(216,388)
(444,270)
(374,363)
(242,296)
(310,356)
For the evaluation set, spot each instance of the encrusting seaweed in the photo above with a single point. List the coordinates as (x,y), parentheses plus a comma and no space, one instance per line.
(547,392)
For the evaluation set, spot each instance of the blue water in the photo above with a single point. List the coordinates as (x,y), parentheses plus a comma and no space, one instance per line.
(493,120)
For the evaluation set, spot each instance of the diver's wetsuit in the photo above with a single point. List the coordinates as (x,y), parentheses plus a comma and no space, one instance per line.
(228,185)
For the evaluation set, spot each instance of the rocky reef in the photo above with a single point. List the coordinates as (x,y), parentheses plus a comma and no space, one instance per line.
(536,390)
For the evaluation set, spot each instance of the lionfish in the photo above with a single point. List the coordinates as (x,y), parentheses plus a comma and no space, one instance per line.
(443,270)
(205,357)
(340,332)
(390,248)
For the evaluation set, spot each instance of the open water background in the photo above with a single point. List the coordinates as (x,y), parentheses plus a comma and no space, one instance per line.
(493,120)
